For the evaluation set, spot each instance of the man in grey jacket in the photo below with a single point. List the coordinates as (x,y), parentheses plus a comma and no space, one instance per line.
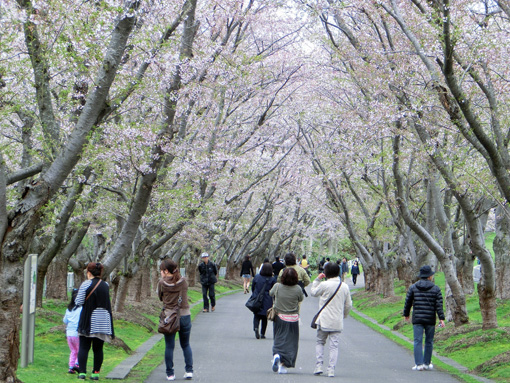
(427,301)
(330,322)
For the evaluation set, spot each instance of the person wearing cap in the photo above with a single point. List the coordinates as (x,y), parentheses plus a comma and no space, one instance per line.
(208,277)
(427,301)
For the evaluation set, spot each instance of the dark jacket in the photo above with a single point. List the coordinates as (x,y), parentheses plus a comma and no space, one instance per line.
(256,287)
(98,305)
(427,301)
(354,270)
(277,267)
(208,273)
(344,267)
(247,268)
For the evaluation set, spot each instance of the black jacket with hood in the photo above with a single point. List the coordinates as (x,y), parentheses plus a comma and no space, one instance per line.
(427,301)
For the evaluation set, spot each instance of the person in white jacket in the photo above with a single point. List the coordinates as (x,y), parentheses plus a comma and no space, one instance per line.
(330,322)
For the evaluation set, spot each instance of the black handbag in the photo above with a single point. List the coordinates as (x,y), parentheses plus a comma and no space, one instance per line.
(255,302)
(314,325)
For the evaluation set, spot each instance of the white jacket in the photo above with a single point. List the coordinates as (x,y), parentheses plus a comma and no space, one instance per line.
(332,317)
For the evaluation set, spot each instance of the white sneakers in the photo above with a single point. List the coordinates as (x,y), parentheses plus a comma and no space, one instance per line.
(282,369)
(188,375)
(331,373)
(318,370)
(171,377)
(276,362)
(422,367)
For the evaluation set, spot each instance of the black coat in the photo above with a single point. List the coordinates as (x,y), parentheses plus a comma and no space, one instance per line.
(427,301)
(247,268)
(277,267)
(208,273)
(256,287)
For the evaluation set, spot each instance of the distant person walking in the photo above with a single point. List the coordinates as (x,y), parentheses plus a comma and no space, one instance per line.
(303,278)
(287,295)
(264,278)
(96,321)
(172,291)
(427,301)
(336,300)
(320,267)
(71,319)
(246,273)
(305,265)
(208,277)
(277,266)
(355,272)
(344,268)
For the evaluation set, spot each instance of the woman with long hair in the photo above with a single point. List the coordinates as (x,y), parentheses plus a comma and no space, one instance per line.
(247,272)
(287,296)
(96,321)
(262,281)
(173,291)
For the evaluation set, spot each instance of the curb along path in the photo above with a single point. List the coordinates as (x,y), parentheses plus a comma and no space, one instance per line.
(225,350)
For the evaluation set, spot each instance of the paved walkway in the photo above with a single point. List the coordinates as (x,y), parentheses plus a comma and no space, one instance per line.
(225,350)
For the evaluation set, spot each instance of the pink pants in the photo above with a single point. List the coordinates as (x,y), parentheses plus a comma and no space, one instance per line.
(74,345)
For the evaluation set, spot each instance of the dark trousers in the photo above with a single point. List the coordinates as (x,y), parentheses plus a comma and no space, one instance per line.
(83,353)
(256,320)
(184,335)
(354,278)
(205,290)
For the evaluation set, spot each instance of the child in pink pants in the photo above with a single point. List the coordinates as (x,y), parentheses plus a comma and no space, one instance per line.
(71,319)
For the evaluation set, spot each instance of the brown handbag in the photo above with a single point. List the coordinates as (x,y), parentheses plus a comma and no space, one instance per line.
(170,319)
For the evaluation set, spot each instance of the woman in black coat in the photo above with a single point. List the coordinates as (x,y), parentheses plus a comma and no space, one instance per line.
(355,272)
(265,277)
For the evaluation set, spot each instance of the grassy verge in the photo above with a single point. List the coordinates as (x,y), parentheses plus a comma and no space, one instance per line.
(133,328)
(483,352)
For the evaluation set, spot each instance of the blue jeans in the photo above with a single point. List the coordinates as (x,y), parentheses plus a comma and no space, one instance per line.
(184,335)
(212,296)
(420,356)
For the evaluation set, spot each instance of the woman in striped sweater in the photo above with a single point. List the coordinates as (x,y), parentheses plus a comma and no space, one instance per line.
(96,323)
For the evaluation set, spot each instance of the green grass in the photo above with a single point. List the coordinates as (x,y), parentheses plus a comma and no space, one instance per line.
(468,345)
(51,352)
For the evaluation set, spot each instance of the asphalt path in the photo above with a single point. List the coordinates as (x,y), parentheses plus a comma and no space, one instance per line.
(225,350)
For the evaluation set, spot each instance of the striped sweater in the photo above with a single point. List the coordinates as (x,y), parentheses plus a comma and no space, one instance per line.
(96,315)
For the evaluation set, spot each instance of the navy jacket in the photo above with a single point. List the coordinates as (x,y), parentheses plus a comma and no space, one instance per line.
(427,301)
(256,287)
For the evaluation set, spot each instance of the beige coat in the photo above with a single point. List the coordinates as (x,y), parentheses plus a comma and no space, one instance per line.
(332,317)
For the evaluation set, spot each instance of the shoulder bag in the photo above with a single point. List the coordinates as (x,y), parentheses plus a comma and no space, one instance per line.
(170,319)
(314,325)
(255,302)
(271,312)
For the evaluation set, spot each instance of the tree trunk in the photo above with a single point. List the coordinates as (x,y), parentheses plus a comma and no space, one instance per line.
(122,291)
(146,288)
(370,276)
(501,248)
(56,280)
(231,269)
(388,283)
(487,306)
(465,271)
(135,287)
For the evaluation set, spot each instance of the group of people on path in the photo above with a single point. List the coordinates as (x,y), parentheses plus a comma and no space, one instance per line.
(89,322)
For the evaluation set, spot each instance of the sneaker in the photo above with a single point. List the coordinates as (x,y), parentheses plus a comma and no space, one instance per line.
(282,369)
(331,373)
(205,310)
(276,362)
(262,336)
(428,366)
(318,370)
(94,375)
(82,376)
(76,368)
(418,368)
(188,375)
(171,377)
(71,371)
(257,335)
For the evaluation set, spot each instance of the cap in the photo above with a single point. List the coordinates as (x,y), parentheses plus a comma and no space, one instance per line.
(426,271)
(204,255)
